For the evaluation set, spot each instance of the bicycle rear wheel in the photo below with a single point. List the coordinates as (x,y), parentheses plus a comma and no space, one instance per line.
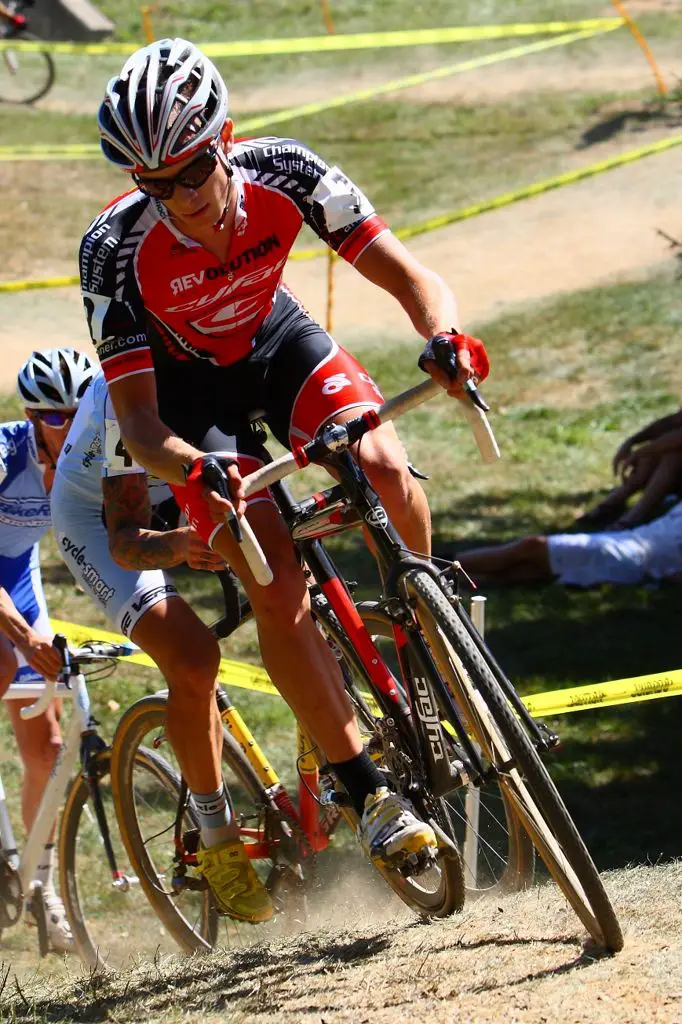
(112,920)
(512,758)
(440,890)
(25,76)
(194,926)
(497,853)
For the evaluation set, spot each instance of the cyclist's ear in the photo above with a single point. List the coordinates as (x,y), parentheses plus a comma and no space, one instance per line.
(227,134)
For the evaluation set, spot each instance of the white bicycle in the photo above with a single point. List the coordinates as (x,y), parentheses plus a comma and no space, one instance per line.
(108,913)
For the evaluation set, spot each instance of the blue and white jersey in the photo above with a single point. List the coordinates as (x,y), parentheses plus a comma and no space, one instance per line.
(24,503)
(94,449)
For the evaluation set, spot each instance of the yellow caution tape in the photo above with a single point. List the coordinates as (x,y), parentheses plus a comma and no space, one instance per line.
(43,282)
(465,213)
(411,81)
(332,42)
(603,695)
(554,702)
(233,673)
(538,187)
(88,150)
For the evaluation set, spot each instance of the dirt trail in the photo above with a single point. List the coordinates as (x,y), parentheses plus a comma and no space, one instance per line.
(518,959)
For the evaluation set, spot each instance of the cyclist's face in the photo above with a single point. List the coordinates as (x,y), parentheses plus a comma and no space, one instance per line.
(52,427)
(202,206)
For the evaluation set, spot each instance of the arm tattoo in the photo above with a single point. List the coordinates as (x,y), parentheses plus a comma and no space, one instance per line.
(128,514)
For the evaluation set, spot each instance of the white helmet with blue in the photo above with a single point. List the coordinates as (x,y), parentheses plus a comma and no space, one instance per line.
(56,378)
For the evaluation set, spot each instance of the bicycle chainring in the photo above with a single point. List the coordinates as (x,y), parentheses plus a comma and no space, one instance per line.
(11,896)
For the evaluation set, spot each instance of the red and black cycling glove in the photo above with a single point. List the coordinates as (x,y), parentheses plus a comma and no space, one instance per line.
(444,348)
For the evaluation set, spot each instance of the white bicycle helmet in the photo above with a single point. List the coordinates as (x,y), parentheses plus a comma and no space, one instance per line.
(54,379)
(134,117)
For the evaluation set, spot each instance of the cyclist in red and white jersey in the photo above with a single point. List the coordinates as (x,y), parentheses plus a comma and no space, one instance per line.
(182,284)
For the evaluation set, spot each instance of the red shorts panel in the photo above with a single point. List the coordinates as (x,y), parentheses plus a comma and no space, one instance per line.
(337,383)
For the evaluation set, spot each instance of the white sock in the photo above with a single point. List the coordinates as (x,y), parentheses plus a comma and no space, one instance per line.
(213,812)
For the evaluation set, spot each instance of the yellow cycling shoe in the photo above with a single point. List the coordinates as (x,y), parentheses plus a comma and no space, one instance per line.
(237,889)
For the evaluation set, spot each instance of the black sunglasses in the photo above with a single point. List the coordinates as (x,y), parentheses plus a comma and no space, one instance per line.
(193,176)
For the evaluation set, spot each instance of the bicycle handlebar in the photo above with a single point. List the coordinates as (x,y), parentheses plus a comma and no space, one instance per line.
(390,410)
(337,438)
(213,474)
(89,653)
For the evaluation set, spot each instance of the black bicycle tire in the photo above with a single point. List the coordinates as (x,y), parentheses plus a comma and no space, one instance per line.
(76,797)
(134,723)
(599,919)
(520,861)
(51,72)
(407,889)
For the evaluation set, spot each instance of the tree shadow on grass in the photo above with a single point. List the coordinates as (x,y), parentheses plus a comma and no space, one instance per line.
(630,116)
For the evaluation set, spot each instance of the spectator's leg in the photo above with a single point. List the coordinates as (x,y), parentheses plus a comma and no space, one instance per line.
(519,561)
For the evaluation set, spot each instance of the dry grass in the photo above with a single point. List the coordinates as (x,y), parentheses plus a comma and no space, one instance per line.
(519,959)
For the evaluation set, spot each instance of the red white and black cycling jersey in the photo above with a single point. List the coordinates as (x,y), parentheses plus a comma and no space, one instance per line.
(141,277)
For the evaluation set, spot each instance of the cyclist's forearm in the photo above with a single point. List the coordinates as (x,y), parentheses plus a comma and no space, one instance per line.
(135,548)
(429,303)
(154,446)
(12,622)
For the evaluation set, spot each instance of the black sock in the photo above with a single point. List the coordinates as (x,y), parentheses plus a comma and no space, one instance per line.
(360,776)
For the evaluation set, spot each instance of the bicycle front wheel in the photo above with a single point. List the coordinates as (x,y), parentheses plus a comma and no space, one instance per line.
(440,890)
(25,76)
(111,919)
(497,853)
(511,758)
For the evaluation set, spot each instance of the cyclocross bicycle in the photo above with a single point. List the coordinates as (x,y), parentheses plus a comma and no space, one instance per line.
(94,871)
(437,711)
(26,75)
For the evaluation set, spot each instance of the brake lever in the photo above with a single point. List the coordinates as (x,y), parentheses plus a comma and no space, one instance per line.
(212,474)
(446,359)
(475,396)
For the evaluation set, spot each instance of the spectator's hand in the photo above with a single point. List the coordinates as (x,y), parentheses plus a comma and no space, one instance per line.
(42,656)
(199,555)
(621,455)
(629,462)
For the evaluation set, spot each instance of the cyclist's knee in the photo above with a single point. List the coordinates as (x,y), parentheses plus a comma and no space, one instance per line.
(194,673)
(383,459)
(285,600)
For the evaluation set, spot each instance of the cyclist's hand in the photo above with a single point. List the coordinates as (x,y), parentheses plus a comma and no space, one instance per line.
(218,506)
(464,359)
(199,555)
(42,656)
